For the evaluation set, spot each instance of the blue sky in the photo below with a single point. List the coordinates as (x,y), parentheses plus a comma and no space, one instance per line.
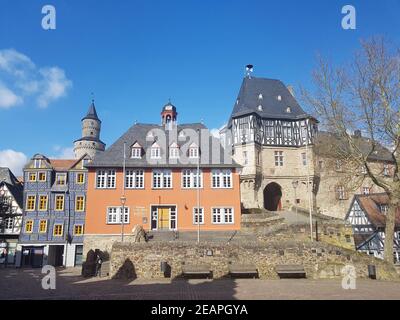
(135,55)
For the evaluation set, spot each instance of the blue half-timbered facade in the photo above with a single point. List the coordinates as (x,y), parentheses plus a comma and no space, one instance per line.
(54,212)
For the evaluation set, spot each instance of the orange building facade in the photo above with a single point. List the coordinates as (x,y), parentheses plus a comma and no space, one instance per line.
(166,177)
(172,209)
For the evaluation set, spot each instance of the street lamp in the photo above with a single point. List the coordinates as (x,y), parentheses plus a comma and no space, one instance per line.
(295,184)
(198,188)
(123,201)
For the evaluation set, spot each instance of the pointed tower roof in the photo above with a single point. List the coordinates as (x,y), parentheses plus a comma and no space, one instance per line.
(92,114)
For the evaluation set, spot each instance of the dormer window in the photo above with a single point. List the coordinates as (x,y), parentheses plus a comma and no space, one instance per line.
(260,108)
(61,179)
(37,163)
(182,134)
(260,96)
(174,151)
(155,152)
(288,110)
(136,153)
(84,163)
(279,98)
(193,151)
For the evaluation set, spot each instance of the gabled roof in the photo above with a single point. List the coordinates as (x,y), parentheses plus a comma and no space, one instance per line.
(113,156)
(13,185)
(272,95)
(62,164)
(326,143)
(370,205)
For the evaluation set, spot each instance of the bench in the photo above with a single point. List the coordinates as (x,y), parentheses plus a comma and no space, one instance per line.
(197,270)
(290,271)
(243,270)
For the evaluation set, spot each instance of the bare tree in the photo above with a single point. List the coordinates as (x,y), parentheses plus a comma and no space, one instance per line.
(364,95)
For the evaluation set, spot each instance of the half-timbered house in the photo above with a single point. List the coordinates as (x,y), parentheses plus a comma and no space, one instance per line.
(367,215)
(11,191)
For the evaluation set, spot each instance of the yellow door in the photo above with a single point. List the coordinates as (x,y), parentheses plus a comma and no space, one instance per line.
(163,218)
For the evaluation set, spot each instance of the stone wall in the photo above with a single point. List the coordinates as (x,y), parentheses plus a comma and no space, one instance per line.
(320,260)
(102,242)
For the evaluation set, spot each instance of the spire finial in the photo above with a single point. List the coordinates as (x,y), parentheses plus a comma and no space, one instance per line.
(92,95)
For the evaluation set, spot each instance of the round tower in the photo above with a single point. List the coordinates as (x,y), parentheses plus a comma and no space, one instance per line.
(90,142)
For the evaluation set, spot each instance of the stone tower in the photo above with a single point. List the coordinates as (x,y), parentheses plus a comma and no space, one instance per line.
(272,137)
(90,142)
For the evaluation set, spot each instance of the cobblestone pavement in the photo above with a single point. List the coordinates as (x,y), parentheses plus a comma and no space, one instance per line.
(26,284)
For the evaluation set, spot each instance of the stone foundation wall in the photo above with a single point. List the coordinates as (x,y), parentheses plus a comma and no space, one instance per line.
(319,260)
(102,242)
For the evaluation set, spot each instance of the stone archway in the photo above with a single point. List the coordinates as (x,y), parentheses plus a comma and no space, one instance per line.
(272,197)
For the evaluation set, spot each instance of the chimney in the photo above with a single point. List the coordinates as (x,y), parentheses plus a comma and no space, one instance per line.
(357,134)
(291,90)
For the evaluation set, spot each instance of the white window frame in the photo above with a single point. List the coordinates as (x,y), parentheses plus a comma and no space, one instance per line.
(245,158)
(174,153)
(108,179)
(341,192)
(61,174)
(37,163)
(279,158)
(222,216)
(115,212)
(366,190)
(164,179)
(195,215)
(134,179)
(155,153)
(222,179)
(136,153)
(9,221)
(189,177)
(193,152)
(304,158)
(386,170)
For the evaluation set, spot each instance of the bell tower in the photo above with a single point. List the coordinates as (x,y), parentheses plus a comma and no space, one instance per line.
(168,114)
(90,142)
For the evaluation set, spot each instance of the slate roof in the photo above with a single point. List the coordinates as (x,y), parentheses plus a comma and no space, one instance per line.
(113,156)
(14,186)
(89,139)
(92,114)
(370,205)
(326,143)
(249,99)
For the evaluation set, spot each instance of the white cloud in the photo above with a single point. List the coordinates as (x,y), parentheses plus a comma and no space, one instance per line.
(54,85)
(8,98)
(63,153)
(23,80)
(14,160)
